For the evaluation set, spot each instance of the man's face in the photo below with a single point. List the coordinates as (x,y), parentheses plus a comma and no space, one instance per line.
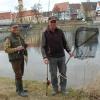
(52,24)
(15,30)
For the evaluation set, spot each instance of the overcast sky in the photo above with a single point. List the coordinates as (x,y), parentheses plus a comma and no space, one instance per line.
(9,5)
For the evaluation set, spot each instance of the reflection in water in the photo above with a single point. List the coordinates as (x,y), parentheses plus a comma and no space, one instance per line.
(79,72)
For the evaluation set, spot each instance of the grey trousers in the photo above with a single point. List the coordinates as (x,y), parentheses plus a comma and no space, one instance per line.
(54,64)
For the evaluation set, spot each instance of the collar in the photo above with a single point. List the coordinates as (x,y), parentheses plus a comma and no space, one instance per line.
(14,35)
(48,29)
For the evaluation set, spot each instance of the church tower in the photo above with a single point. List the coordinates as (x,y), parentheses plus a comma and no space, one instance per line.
(20,2)
(20,14)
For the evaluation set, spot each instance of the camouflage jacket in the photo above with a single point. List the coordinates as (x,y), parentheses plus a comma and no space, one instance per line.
(10,45)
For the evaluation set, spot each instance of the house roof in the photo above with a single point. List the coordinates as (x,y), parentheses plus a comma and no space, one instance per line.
(60,7)
(5,15)
(75,6)
(25,13)
(89,5)
(9,15)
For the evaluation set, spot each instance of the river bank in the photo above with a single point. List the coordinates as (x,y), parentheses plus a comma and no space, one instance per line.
(37,91)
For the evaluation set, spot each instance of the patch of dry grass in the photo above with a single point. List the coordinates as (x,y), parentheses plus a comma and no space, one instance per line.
(37,91)
(93,89)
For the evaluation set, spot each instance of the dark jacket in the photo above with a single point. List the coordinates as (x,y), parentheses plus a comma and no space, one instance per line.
(14,42)
(54,43)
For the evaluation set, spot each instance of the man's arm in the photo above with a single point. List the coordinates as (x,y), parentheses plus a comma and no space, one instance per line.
(8,48)
(65,44)
(43,49)
(43,46)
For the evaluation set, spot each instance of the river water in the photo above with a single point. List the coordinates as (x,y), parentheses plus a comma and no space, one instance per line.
(79,72)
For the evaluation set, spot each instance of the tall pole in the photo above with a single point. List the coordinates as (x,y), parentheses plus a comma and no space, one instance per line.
(48,8)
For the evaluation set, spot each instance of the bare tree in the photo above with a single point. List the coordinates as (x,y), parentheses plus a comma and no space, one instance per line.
(19,14)
(36,10)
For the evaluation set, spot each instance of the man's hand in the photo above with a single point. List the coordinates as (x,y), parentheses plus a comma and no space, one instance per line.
(29,44)
(71,54)
(19,48)
(45,60)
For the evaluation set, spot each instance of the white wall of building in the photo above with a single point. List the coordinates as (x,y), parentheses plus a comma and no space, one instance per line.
(5,21)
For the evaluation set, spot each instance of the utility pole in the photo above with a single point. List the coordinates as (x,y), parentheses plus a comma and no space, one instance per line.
(49,8)
(20,13)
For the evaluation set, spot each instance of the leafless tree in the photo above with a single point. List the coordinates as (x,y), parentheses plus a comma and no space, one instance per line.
(36,10)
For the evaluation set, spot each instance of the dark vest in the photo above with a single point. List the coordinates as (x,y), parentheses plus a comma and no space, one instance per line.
(54,43)
(16,41)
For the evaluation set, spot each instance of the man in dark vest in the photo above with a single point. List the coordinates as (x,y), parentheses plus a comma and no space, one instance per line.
(52,48)
(15,46)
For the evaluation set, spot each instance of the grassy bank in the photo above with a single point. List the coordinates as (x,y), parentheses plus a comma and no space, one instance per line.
(37,92)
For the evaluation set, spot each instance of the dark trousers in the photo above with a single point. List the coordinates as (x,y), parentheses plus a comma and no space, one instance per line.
(54,64)
(18,68)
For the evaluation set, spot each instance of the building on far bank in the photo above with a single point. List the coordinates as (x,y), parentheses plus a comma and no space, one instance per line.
(98,9)
(5,18)
(27,17)
(66,11)
(75,11)
(89,10)
(61,11)
(85,10)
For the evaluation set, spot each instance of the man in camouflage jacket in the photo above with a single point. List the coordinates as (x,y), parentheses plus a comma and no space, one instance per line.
(15,46)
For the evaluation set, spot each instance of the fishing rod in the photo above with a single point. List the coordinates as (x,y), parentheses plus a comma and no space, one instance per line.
(47,82)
